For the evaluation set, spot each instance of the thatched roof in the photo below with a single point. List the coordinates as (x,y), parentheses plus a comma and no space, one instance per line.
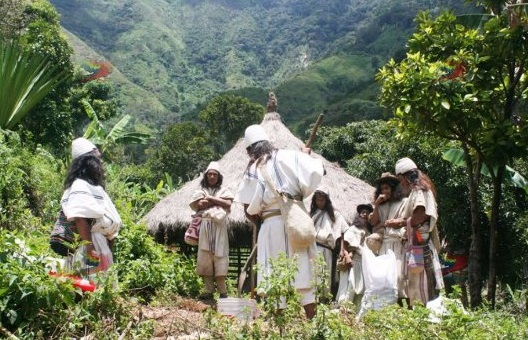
(346,192)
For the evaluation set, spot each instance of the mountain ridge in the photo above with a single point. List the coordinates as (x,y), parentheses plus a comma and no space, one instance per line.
(183,52)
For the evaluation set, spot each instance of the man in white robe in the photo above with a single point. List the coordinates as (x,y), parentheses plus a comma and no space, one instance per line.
(213,202)
(291,172)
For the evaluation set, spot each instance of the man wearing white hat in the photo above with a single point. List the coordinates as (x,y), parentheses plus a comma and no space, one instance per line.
(212,201)
(294,174)
(420,214)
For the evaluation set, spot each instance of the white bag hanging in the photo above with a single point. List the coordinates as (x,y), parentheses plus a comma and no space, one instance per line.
(381,280)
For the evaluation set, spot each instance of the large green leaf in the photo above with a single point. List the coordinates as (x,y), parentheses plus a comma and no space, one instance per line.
(511,176)
(117,134)
(25,78)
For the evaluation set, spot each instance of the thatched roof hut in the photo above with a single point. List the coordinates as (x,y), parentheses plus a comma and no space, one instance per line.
(171,216)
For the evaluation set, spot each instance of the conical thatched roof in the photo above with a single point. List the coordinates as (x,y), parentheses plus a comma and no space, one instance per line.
(346,192)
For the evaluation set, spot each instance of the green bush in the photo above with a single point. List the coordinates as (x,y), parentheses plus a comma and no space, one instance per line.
(30,184)
(29,299)
(145,267)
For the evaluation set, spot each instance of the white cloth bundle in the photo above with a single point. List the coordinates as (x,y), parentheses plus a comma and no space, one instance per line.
(84,200)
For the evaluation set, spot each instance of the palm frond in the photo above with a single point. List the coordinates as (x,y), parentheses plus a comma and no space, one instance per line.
(25,79)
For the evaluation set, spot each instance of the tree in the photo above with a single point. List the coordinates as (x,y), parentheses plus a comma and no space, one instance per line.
(226,117)
(465,84)
(96,132)
(183,152)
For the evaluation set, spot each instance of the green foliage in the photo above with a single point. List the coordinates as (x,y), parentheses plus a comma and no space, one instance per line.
(101,97)
(465,84)
(392,322)
(197,49)
(26,289)
(135,252)
(276,287)
(183,151)
(26,77)
(49,122)
(96,132)
(226,117)
(35,304)
(30,184)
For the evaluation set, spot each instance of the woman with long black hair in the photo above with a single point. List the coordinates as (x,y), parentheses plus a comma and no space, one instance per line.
(421,212)
(329,226)
(88,211)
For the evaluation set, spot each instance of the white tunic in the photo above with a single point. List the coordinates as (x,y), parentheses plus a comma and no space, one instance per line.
(351,283)
(327,233)
(295,173)
(393,239)
(213,232)
(418,283)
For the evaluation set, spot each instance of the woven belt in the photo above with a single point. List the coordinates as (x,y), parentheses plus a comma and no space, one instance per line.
(270,214)
(290,196)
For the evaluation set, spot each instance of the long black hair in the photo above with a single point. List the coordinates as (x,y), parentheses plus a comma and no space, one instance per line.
(417,179)
(87,167)
(205,184)
(260,152)
(329,208)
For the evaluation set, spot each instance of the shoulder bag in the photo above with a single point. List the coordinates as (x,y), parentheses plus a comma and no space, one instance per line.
(192,233)
(415,253)
(299,225)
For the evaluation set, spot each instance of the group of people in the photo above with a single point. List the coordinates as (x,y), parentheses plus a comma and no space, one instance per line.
(380,226)
(403,212)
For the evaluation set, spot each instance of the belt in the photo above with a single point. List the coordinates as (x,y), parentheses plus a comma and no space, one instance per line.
(270,214)
(324,246)
(290,196)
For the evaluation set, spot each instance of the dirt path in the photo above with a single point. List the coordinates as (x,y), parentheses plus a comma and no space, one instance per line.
(184,321)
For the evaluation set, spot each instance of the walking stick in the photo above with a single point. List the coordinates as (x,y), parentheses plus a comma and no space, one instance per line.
(314,130)
(249,262)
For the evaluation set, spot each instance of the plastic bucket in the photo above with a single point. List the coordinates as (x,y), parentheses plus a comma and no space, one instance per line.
(242,309)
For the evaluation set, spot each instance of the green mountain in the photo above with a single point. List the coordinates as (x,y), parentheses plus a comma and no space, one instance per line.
(176,54)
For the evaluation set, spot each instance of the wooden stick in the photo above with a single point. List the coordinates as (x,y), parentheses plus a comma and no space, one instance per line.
(314,130)
(8,334)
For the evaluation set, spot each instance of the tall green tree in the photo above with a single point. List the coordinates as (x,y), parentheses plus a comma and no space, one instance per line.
(466,84)
(183,152)
(225,118)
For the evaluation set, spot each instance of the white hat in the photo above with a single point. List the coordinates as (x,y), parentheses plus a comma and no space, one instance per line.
(81,146)
(213,166)
(323,189)
(403,165)
(254,133)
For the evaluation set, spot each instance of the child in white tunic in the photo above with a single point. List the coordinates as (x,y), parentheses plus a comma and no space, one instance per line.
(293,173)
(329,226)
(351,284)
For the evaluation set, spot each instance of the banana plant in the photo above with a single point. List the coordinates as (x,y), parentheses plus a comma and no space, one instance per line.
(97,133)
(511,176)
(25,78)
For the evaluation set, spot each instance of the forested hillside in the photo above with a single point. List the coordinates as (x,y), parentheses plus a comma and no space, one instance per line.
(315,55)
